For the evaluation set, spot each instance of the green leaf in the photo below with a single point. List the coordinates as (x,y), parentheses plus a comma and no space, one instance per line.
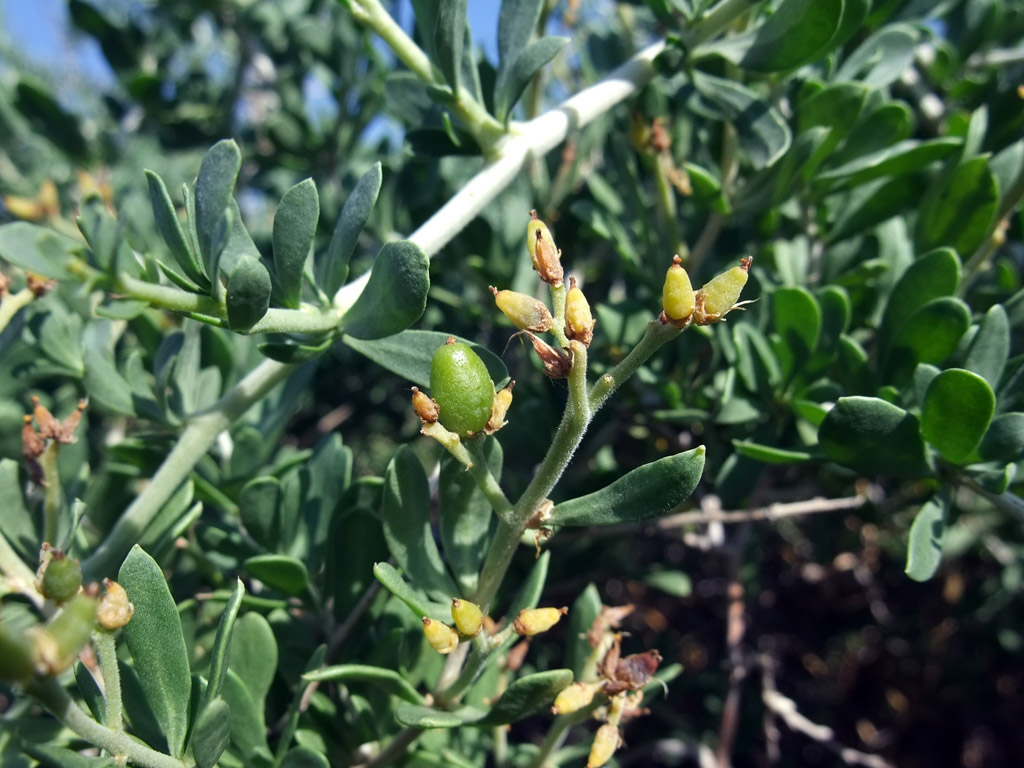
(797,317)
(332,268)
(139,714)
(873,437)
(280,572)
(157,645)
(527,64)
(449,37)
(647,492)
(929,336)
(962,212)
(516,22)
(423,717)
(674,583)
(763,133)
(303,757)
(294,227)
(259,505)
(870,204)
(248,294)
(409,353)
(585,609)
(932,275)
(91,692)
(417,602)
(526,695)
(1004,439)
(886,125)
(465,516)
(293,351)
(38,250)
(896,160)
(957,409)
(770,454)
(59,757)
(382,679)
(19,524)
(924,547)
(170,229)
(355,542)
(212,733)
(797,33)
(990,347)
(405,512)
(395,295)
(248,731)
(220,652)
(102,380)
(214,186)
(254,654)
(882,58)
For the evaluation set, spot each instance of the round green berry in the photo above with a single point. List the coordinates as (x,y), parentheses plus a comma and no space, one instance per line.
(62,578)
(462,388)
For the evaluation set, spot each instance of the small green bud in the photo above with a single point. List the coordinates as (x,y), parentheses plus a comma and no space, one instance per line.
(440,636)
(533,621)
(677,297)
(60,576)
(461,387)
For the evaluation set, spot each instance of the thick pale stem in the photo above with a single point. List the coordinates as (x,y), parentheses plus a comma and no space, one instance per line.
(486,481)
(49,692)
(192,445)
(52,494)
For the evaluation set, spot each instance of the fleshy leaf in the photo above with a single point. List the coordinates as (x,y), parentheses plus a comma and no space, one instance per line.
(254,654)
(873,436)
(526,695)
(284,573)
(405,512)
(924,547)
(527,64)
(38,250)
(990,347)
(304,757)
(332,268)
(449,38)
(220,652)
(962,212)
(157,645)
(770,454)
(170,229)
(212,733)
(1004,439)
(395,295)
(647,492)
(294,226)
(465,516)
(957,409)
(409,354)
(248,294)
(214,187)
(418,603)
(379,677)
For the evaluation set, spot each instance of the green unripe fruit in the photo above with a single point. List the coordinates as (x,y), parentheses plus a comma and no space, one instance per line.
(62,578)
(462,388)
(718,297)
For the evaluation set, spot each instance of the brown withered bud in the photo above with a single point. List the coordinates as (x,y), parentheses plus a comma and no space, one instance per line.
(64,432)
(39,284)
(630,673)
(5,285)
(500,406)
(45,421)
(115,609)
(547,259)
(557,363)
(425,406)
(610,618)
(32,443)
(579,322)
(660,140)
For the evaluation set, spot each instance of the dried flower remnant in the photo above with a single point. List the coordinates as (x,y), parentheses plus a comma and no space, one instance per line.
(719,296)
(547,259)
(115,609)
(525,312)
(579,321)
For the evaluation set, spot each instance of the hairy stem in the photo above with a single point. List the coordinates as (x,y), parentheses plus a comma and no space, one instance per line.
(52,492)
(192,445)
(52,696)
(106,651)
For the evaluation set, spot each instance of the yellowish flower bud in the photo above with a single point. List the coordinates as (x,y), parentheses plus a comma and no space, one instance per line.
(468,617)
(533,621)
(677,297)
(502,402)
(574,698)
(719,297)
(115,610)
(441,637)
(579,322)
(546,257)
(424,406)
(606,741)
(525,312)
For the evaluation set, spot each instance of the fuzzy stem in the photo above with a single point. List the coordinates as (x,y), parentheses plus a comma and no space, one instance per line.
(486,481)
(558,314)
(52,696)
(106,651)
(13,303)
(52,494)
(192,445)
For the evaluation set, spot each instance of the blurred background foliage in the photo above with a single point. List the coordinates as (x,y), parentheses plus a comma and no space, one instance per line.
(835,172)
